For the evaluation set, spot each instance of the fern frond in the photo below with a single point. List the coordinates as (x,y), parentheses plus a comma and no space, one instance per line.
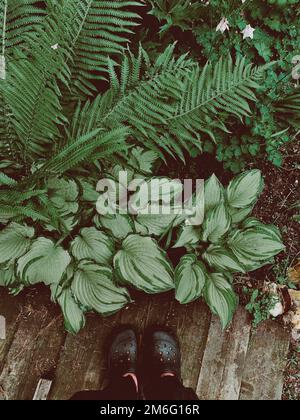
(225,89)
(17,19)
(288,109)
(168,105)
(95,30)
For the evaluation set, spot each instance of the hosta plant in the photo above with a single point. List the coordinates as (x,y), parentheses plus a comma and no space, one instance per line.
(91,260)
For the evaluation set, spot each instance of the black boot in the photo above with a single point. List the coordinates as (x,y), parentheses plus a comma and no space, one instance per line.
(122,354)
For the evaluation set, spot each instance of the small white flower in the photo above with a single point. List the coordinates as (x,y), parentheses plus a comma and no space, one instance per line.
(243,1)
(223,25)
(55,47)
(248,32)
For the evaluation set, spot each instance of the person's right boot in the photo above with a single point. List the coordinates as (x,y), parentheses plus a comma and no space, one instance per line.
(161,356)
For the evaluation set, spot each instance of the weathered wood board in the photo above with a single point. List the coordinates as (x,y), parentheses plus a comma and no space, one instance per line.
(265,363)
(38,360)
(224,359)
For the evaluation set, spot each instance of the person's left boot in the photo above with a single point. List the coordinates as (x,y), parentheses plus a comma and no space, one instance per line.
(123,354)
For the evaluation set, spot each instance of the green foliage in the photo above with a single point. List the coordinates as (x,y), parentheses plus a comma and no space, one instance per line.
(77,104)
(88,261)
(181,13)
(260,305)
(276,38)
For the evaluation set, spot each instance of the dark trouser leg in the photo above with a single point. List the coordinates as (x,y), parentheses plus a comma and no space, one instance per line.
(120,389)
(169,388)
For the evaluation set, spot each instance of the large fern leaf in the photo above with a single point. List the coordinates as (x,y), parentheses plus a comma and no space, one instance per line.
(95,30)
(169,104)
(17,19)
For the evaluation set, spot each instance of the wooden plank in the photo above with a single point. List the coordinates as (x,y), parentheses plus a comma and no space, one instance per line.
(42,390)
(10,309)
(81,364)
(224,359)
(265,363)
(34,347)
(191,324)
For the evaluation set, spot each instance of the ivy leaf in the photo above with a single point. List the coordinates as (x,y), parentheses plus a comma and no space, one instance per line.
(245,189)
(222,259)
(141,263)
(220,297)
(190,277)
(44,262)
(73,314)
(93,286)
(92,244)
(213,193)
(15,240)
(216,224)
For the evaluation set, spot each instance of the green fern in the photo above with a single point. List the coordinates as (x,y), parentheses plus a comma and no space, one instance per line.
(168,104)
(17,19)
(94,30)
(288,109)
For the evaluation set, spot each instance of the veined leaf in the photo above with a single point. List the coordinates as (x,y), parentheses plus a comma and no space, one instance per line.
(7,276)
(94,245)
(222,259)
(73,314)
(119,225)
(216,224)
(15,240)
(189,236)
(190,277)
(238,215)
(245,189)
(143,159)
(213,192)
(93,286)
(155,224)
(63,195)
(44,262)
(141,263)
(256,244)
(220,297)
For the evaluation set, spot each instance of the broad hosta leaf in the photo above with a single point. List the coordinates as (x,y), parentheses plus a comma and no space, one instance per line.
(93,286)
(214,193)
(63,194)
(216,224)
(89,192)
(153,224)
(7,276)
(94,245)
(15,240)
(238,215)
(44,262)
(245,189)
(256,244)
(220,297)
(119,225)
(189,236)
(141,263)
(73,314)
(222,259)
(190,276)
